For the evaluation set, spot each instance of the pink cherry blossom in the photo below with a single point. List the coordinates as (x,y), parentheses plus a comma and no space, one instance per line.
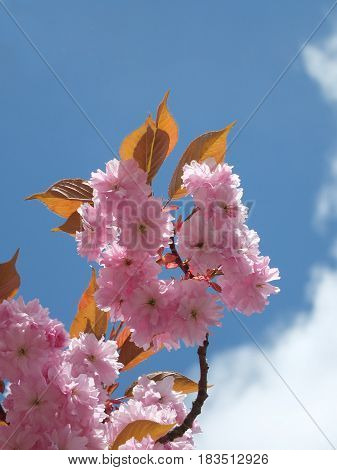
(98,230)
(249,294)
(66,438)
(147,443)
(94,358)
(144,226)
(22,351)
(131,263)
(121,179)
(208,174)
(147,311)
(155,402)
(160,393)
(197,311)
(21,438)
(32,401)
(200,243)
(122,271)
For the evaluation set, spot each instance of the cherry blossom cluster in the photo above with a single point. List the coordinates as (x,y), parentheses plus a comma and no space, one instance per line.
(57,396)
(127,230)
(153,401)
(217,238)
(56,399)
(57,388)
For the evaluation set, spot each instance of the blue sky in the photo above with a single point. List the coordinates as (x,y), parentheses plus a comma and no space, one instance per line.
(117,59)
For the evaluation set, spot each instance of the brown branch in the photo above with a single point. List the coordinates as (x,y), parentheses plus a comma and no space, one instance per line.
(196,209)
(2,414)
(182,265)
(202,396)
(197,405)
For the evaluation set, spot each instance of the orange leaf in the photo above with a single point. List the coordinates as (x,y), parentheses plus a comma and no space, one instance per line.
(72,225)
(181,383)
(212,144)
(2,423)
(9,278)
(166,123)
(138,143)
(138,430)
(131,355)
(65,196)
(123,336)
(152,142)
(89,318)
(165,138)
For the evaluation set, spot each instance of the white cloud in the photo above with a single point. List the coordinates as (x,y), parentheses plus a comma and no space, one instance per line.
(326,204)
(321,64)
(250,407)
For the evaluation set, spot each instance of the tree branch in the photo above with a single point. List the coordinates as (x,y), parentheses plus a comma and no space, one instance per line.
(2,414)
(197,405)
(183,266)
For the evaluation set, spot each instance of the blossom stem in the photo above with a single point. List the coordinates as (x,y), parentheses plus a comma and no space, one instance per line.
(2,414)
(197,405)
(182,265)
(195,210)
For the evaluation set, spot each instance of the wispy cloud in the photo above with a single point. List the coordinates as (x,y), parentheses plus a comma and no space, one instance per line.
(320,62)
(326,203)
(321,65)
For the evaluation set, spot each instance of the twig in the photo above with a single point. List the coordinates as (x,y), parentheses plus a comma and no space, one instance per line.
(197,405)
(2,414)
(182,265)
(196,209)
(167,203)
